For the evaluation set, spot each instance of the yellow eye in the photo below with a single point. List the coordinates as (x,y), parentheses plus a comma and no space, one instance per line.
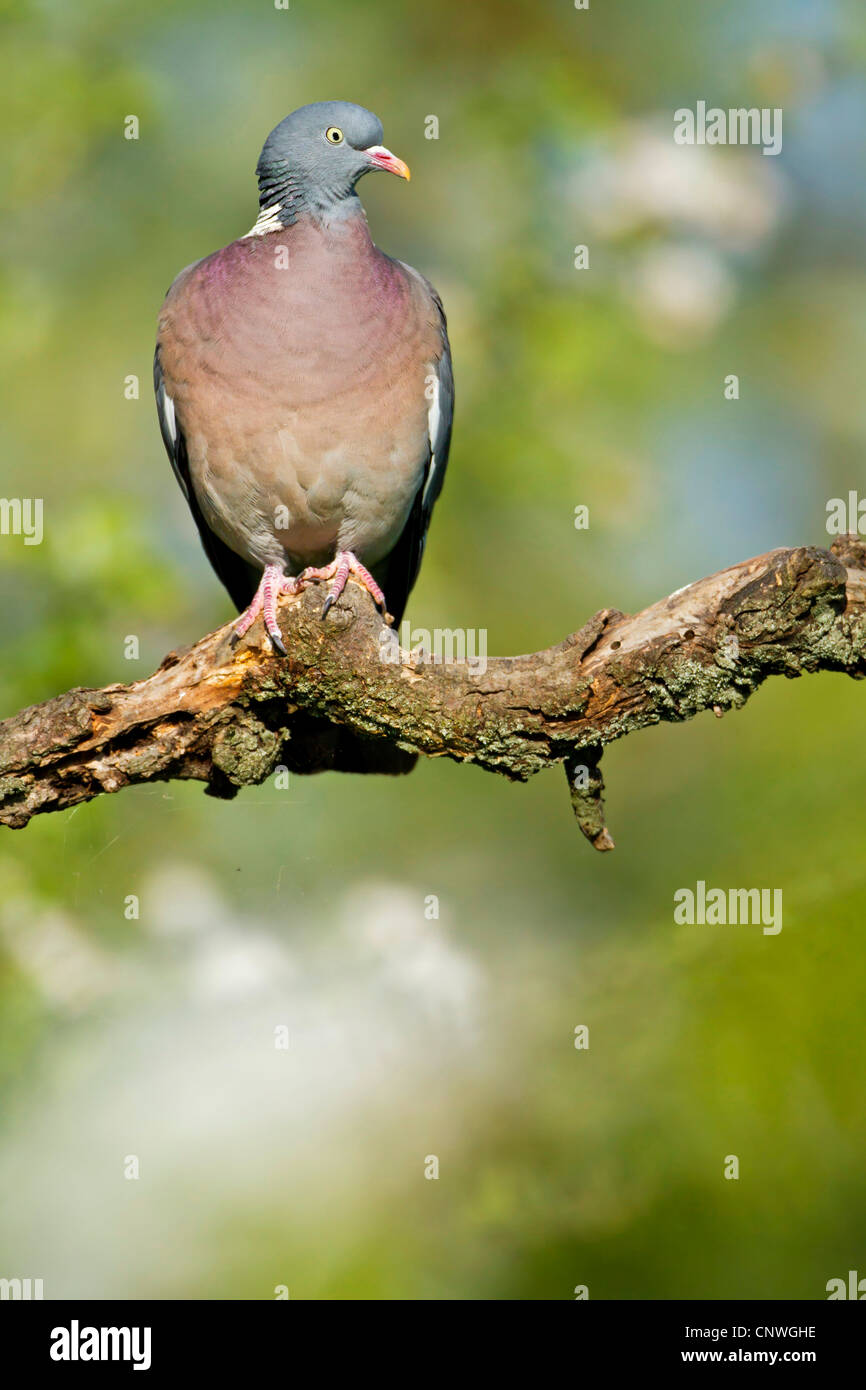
(334,135)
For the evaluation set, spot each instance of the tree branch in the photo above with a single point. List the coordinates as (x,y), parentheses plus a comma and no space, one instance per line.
(228,717)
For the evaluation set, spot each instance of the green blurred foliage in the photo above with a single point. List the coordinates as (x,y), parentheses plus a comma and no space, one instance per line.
(603,387)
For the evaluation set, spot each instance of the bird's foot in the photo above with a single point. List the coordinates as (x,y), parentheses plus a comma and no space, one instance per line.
(339,570)
(273,583)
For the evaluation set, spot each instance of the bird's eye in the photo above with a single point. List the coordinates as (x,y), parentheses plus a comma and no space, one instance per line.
(334,135)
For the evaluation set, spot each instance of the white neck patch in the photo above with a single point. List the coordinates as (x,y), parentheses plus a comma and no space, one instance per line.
(268,220)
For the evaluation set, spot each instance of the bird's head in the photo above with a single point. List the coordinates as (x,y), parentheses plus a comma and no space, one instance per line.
(313,159)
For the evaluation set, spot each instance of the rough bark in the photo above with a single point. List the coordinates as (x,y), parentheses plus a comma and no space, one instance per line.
(229,716)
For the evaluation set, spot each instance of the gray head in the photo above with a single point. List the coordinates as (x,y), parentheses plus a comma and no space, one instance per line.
(312,160)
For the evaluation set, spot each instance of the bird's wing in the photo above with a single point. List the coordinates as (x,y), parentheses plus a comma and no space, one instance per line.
(238,577)
(400,570)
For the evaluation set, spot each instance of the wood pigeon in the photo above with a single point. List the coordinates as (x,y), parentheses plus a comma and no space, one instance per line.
(303,382)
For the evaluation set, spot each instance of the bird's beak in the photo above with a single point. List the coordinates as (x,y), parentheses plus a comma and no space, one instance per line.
(380,158)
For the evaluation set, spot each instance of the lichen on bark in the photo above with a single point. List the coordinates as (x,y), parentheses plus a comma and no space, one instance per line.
(226,716)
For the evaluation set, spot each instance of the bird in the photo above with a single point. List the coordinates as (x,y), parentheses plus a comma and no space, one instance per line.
(304,383)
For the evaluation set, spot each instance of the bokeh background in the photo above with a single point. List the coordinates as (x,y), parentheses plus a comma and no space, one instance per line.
(304,907)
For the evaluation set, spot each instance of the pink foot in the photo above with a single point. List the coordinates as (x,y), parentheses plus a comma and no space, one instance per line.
(273,583)
(339,570)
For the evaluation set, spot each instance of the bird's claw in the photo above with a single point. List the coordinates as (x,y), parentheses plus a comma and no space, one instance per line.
(274,582)
(264,602)
(340,568)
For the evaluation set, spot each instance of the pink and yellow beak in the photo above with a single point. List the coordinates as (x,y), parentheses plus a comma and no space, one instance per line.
(380,158)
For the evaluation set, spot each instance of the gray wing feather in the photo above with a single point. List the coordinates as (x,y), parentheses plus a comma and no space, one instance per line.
(398,573)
